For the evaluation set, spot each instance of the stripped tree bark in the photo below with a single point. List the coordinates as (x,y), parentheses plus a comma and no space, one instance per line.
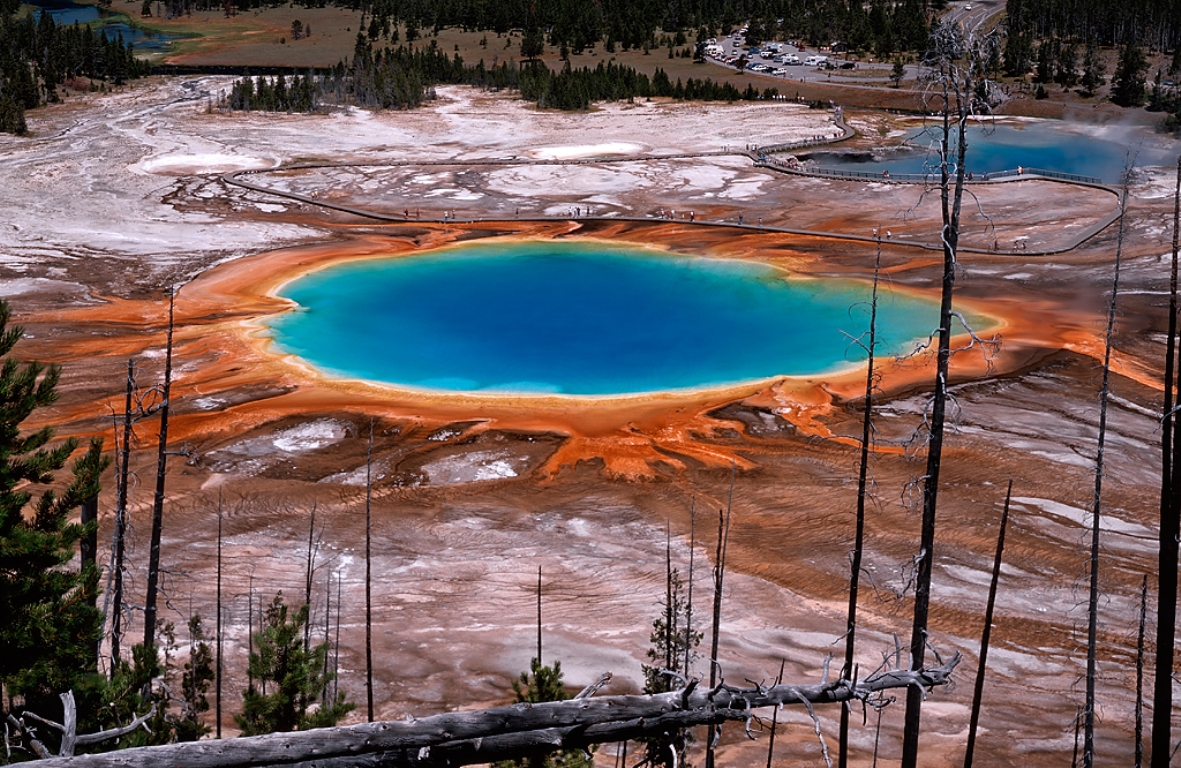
(369,575)
(70,738)
(1139,750)
(120,533)
(150,599)
(956,66)
(309,572)
(217,676)
(978,691)
(1096,506)
(514,731)
(862,484)
(1170,529)
(689,598)
(719,576)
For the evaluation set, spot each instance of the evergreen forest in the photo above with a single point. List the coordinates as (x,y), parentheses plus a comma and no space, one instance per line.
(37,56)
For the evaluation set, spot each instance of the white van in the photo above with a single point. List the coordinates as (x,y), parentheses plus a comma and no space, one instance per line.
(815,61)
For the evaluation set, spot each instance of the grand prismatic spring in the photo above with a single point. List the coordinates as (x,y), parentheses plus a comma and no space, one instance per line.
(583,319)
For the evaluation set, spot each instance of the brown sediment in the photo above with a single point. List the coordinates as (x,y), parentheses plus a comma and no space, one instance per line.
(220,346)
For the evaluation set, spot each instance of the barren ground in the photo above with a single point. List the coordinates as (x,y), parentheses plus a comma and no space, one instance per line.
(116,197)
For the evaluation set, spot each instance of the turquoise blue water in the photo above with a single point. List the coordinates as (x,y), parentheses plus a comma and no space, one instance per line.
(1045,145)
(69,12)
(581,319)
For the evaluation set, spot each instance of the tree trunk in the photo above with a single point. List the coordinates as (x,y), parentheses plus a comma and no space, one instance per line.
(1170,528)
(955,95)
(369,576)
(515,731)
(217,683)
(121,522)
(1096,507)
(978,691)
(719,576)
(88,547)
(859,533)
(158,499)
(1139,751)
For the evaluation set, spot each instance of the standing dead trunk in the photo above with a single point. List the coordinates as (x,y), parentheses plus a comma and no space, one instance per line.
(336,644)
(369,575)
(775,719)
(689,597)
(1139,759)
(859,533)
(669,610)
(719,577)
(978,691)
(1096,506)
(250,631)
(1170,529)
(158,500)
(954,64)
(120,535)
(307,584)
(218,671)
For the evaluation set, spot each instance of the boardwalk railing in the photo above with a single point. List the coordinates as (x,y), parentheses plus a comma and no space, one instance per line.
(808,169)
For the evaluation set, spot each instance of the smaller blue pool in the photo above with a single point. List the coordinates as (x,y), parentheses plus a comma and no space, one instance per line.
(1045,145)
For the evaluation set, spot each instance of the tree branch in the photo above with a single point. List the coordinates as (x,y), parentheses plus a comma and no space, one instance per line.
(483,736)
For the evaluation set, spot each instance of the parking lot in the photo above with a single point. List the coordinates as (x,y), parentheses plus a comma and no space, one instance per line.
(796,62)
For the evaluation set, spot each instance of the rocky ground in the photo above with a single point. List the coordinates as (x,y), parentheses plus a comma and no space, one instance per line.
(116,197)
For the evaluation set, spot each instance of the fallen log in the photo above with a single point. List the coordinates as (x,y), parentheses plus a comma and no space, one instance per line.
(487,735)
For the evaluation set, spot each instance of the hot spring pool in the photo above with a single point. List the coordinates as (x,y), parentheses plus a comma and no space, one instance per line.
(581,319)
(1046,145)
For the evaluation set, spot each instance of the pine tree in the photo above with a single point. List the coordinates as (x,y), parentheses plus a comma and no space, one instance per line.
(673,647)
(50,628)
(1127,84)
(1092,71)
(540,684)
(198,674)
(294,673)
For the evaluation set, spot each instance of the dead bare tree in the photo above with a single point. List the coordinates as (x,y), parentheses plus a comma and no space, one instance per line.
(956,81)
(775,718)
(1170,528)
(978,691)
(218,669)
(1139,749)
(161,472)
(689,598)
(1096,504)
(515,731)
(119,536)
(719,577)
(309,571)
(862,485)
(18,729)
(369,575)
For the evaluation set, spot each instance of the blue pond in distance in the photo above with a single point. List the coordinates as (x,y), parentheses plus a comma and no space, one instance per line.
(68,12)
(1043,145)
(581,319)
